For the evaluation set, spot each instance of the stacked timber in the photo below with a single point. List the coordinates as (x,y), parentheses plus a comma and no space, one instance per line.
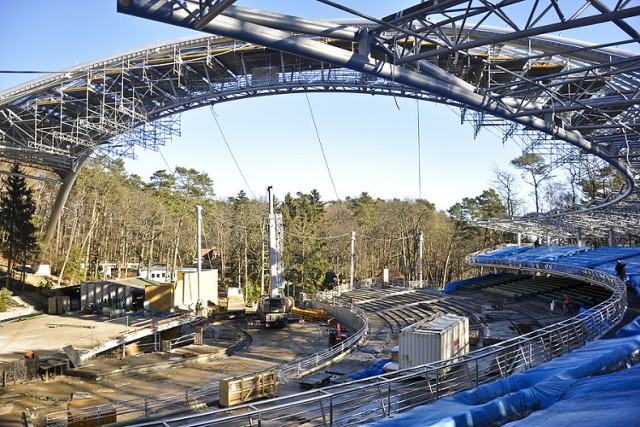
(310,314)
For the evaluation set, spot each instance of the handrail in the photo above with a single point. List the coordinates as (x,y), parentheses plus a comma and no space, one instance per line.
(381,396)
(193,397)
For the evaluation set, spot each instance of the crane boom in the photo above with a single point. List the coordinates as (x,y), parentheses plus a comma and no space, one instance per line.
(276,248)
(272,308)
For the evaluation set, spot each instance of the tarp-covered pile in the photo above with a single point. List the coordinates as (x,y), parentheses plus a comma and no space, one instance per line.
(505,252)
(549,253)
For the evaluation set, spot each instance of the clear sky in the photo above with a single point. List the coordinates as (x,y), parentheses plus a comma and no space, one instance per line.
(371,143)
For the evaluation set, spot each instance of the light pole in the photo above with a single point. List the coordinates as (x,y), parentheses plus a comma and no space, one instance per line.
(353,258)
(420,272)
(199,245)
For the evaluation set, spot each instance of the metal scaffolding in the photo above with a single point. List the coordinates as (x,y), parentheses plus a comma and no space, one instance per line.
(557,96)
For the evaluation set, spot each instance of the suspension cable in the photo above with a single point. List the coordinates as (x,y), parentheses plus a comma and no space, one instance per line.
(313,119)
(166,163)
(224,138)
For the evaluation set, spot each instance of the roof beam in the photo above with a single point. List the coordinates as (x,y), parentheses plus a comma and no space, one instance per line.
(509,36)
(215,9)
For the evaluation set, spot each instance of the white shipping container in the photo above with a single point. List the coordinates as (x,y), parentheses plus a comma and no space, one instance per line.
(433,340)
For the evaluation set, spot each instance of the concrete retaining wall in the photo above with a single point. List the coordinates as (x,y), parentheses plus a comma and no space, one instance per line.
(341,314)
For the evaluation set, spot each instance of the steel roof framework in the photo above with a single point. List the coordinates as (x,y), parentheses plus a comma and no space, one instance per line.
(543,89)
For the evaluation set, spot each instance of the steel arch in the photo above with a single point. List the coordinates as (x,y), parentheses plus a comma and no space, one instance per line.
(537,87)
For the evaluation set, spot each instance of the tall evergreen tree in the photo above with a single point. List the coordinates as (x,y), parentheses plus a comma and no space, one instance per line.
(16,220)
(305,262)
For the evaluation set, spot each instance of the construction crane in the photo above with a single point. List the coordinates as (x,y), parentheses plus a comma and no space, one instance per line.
(272,306)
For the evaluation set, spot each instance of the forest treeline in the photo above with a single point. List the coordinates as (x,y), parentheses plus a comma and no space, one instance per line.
(112,216)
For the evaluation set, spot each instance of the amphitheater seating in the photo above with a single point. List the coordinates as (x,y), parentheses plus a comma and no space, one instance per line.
(602,259)
(400,307)
(511,286)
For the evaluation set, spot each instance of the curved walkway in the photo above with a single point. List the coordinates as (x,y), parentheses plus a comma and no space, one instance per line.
(382,396)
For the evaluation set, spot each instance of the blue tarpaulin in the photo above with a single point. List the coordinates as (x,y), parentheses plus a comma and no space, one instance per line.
(549,253)
(574,388)
(371,371)
(503,252)
(602,259)
(455,285)
(602,256)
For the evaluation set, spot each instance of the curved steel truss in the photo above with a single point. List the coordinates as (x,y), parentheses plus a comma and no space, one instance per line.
(135,98)
(522,79)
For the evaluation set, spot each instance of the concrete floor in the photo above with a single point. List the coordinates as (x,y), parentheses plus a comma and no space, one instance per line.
(48,334)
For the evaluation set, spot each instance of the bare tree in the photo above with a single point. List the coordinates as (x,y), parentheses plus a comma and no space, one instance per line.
(505,183)
(574,172)
(556,195)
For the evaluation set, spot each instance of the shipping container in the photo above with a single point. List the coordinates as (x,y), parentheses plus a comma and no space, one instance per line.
(432,340)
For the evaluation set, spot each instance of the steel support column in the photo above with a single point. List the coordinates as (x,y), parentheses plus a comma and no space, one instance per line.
(61,199)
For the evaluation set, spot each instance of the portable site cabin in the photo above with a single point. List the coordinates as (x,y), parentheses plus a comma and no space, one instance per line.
(120,296)
(432,340)
(158,274)
(163,297)
(186,290)
(125,294)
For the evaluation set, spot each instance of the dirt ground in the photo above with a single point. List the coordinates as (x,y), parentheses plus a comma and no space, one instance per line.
(35,399)
(267,348)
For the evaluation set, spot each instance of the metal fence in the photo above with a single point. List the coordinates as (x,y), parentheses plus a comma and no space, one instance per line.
(381,396)
(198,397)
(370,399)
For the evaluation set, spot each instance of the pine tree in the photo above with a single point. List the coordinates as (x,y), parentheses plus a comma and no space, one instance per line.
(16,220)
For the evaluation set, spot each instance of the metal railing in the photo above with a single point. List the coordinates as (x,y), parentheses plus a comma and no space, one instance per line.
(198,397)
(373,398)
(105,337)
(381,396)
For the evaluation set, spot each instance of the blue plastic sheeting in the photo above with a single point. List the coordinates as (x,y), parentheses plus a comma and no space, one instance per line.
(454,285)
(630,329)
(593,402)
(633,266)
(549,253)
(143,313)
(371,371)
(633,271)
(564,386)
(634,283)
(601,256)
(504,252)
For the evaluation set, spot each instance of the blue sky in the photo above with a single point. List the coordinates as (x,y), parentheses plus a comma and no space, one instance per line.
(371,143)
